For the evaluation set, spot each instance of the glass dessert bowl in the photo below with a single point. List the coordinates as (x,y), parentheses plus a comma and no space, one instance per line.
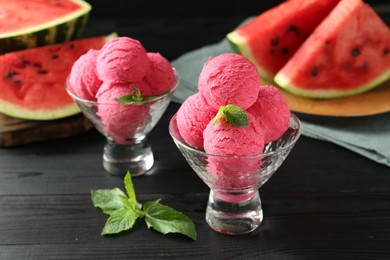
(234,205)
(126,127)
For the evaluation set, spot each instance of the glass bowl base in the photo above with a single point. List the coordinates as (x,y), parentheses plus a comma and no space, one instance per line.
(234,218)
(119,158)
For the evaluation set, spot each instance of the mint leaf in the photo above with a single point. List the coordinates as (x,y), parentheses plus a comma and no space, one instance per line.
(124,210)
(130,189)
(219,115)
(131,98)
(233,114)
(108,200)
(168,220)
(120,220)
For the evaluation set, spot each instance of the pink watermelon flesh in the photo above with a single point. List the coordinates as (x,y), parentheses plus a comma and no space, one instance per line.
(347,54)
(22,14)
(32,82)
(271,38)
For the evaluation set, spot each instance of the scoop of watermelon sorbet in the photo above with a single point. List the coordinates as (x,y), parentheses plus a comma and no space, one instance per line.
(192,118)
(121,60)
(83,80)
(120,121)
(224,138)
(160,76)
(235,166)
(229,79)
(272,112)
(108,86)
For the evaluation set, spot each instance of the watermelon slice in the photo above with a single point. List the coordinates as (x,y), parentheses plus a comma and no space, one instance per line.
(271,38)
(26,23)
(347,54)
(32,82)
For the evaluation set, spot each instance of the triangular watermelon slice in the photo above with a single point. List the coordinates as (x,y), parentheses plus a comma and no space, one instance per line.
(270,39)
(32,82)
(347,54)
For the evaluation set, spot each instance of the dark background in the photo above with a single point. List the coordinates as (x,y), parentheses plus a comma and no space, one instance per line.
(180,22)
(324,202)
(176,8)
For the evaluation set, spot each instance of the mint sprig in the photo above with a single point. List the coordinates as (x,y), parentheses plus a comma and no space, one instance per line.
(137,97)
(131,98)
(124,210)
(233,114)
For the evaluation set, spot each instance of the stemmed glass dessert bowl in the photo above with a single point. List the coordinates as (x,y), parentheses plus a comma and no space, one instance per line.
(234,205)
(126,127)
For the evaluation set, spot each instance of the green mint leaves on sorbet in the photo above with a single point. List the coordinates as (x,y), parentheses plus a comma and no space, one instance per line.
(233,114)
(131,98)
(124,210)
(137,97)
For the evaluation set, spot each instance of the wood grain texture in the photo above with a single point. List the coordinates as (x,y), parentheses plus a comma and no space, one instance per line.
(15,131)
(324,202)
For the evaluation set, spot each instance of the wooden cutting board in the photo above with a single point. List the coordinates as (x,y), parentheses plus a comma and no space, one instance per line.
(373,102)
(14,131)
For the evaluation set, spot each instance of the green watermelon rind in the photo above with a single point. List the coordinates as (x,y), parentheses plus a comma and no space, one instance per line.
(238,45)
(63,29)
(284,82)
(41,114)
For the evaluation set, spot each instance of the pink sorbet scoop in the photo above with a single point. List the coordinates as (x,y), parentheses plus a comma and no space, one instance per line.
(160,76)
(120,121)
(121,60)
(192,118)
(83,80)
(229,79)
(272,112)
(234,168)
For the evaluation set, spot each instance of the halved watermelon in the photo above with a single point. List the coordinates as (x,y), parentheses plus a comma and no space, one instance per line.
(26,23)
(347,54)
(32,82)
(271,38)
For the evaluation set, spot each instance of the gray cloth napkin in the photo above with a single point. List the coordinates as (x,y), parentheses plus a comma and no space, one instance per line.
(367,136)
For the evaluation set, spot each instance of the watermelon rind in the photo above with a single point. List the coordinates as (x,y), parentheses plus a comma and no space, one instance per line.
(282,81)
(39,114)
(19,111)
(60,30)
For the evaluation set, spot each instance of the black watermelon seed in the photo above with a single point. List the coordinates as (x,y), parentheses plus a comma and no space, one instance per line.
(386,51)
(294,28)
(285,51)
(355,52)
(25,63)
(17,82)
(71,45)
(10,74)
(275,41)
(314,72)
(54,57)
(42,71)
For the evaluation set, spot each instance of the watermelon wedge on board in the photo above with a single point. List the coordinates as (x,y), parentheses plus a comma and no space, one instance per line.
(32,82)
(347,54)
(271,38)
(32,23)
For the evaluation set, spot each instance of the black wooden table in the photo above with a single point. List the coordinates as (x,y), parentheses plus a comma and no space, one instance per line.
(324,202)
